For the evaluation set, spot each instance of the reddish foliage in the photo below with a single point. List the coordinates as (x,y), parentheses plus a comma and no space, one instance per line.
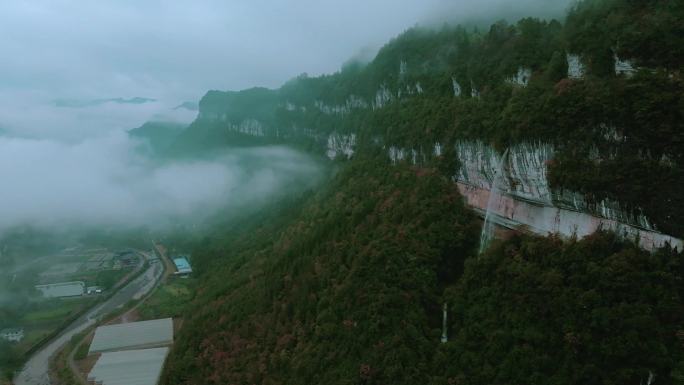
(365,372)
(563,86)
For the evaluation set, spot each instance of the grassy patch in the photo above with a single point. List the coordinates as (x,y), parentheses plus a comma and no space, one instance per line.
(82,351)
(55,312)
(47,317)
(32,336)
(169,300)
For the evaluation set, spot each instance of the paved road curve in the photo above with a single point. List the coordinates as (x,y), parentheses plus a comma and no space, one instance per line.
(35,372)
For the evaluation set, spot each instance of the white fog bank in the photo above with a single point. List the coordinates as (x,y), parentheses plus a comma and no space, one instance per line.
(105,181)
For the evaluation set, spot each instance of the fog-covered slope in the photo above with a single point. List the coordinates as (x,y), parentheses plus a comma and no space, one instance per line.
(158,135)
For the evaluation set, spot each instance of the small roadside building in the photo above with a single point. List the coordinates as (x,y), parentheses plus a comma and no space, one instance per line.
(12,334)
(62,290)
(93,290)
(182,265)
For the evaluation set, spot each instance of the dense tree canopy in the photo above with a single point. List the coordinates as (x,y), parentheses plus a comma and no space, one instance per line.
(541,311)
(346,287)
(353,281)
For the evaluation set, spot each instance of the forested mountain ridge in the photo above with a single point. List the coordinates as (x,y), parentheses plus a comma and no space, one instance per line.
(612,110)
(346,285)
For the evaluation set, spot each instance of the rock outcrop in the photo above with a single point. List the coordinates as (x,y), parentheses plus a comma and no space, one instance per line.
(523,198)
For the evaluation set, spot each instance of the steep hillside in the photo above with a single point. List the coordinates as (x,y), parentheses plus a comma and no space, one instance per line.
(363,259)
(347,285)
(356,275)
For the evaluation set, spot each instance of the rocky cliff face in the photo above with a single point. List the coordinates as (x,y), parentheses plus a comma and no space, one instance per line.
(515,188)
(340,145)
(522,197)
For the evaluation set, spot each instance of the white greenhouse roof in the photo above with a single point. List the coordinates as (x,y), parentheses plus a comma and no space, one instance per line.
(64,289)
(133,335)
(130,367)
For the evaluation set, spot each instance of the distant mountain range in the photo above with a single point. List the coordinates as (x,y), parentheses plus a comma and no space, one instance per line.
(72,103)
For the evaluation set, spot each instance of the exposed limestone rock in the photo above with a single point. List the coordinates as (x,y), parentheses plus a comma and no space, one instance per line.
(341,145)
(396,154)
(527,200)
(522,78)
(457,87)
(352,102)
(624,67)
(250,127)
(611,133)
(382,97)
(403,68)
(410,90)
(576,68)
(414,157)
(526,168)
(474,93)
(594,154)
(437,150)
(666,161)
(478,163)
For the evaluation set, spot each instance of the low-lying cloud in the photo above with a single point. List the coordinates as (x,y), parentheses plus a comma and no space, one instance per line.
(65,166)
(27,114)
(106,181)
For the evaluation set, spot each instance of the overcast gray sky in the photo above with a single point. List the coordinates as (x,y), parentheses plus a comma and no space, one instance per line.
(179,49)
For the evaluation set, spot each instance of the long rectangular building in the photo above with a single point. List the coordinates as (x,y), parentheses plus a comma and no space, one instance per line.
(62,290)
(130,367)
(134,335)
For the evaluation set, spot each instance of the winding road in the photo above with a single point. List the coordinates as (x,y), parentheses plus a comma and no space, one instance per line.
(35,371)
